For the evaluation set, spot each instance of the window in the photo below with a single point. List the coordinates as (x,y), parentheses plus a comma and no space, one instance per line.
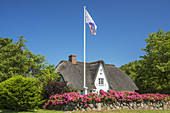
(61,79)
(100,69)
(101,73)
(81,93)
(101,81)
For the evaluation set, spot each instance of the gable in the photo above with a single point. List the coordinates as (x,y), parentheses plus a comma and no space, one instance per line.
(101,82)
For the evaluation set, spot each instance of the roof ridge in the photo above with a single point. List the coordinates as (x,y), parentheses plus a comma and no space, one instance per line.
(110,65)
(90,62)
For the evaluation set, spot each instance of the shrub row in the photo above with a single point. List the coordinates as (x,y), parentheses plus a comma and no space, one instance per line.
(111,96)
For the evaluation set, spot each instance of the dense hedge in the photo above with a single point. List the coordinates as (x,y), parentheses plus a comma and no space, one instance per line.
(19,93)
(107,97)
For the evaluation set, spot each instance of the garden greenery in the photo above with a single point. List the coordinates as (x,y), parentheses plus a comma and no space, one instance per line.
(52,85)
(19,93)
(111,96)
(17,59)
(151,73)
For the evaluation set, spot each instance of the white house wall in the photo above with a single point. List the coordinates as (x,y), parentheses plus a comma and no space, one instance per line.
(101,74)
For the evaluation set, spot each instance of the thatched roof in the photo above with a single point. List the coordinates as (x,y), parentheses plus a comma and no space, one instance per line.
(73,73)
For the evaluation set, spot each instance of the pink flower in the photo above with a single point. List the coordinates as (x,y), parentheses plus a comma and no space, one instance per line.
(110,96)
(99,100)
(89,100)
(117,96)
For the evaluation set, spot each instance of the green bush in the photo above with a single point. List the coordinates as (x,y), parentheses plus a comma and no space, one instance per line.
(19,93)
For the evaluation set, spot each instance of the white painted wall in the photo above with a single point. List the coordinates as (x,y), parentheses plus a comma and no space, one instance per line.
(101,74)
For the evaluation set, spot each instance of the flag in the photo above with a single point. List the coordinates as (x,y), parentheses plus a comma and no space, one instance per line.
(91,23)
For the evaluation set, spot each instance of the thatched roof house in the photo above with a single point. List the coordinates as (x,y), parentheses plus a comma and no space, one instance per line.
(98,76)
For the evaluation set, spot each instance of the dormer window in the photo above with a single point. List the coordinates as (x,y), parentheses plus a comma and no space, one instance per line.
(101,81)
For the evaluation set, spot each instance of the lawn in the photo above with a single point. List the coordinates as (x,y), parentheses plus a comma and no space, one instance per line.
(35,111)
(113,111)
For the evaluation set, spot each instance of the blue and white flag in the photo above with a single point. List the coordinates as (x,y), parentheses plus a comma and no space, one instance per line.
(91,23)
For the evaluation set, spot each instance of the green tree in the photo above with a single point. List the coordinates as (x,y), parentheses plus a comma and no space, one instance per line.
(152,72)
(16,59)
(130,69)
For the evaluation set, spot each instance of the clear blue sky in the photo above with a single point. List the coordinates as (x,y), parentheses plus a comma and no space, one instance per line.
(54,28)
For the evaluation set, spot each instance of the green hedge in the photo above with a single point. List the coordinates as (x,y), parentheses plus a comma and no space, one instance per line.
(19,93)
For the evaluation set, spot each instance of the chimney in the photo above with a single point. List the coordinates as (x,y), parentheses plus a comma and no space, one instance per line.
(72,58)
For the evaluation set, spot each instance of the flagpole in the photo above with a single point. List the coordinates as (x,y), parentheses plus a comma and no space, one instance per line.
(85,88)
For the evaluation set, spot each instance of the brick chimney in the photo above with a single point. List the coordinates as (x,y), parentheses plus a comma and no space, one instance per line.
(72,58)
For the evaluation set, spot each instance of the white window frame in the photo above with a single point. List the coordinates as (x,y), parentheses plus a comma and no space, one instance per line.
(101,81)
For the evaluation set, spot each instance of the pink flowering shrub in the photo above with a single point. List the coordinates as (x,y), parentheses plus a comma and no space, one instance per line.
(110,96)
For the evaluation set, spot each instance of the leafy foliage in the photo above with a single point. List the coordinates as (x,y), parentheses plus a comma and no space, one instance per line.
(104,97)
(53,85)
(19,93)
(152,72)
(16,59)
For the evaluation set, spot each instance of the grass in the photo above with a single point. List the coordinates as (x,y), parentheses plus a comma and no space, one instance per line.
(35,111)
(113,111)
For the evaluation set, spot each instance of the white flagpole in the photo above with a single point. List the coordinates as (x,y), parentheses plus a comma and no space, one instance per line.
(85,88)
